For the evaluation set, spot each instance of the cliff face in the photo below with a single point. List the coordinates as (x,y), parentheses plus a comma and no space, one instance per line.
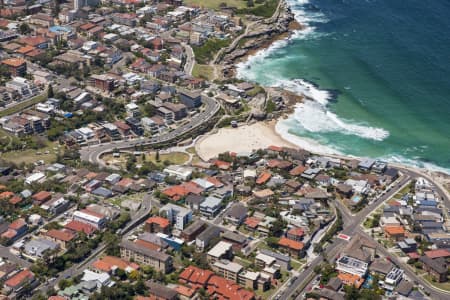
(260,34)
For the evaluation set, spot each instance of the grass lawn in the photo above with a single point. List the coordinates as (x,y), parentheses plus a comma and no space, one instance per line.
(176,158)
(441,285)
(402,192)
(203,71)
(32,155)
(295,264)
(214,4)
(22,105)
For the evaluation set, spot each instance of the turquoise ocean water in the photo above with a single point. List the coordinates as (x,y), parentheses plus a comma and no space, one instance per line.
(377,73)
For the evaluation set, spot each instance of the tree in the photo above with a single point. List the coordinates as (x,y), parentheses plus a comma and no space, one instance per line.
(250,3)
(157,158)
(24,28)
(50,93)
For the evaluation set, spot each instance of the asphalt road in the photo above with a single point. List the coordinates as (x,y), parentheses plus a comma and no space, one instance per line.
(350,227)
(190,59)
(92,153)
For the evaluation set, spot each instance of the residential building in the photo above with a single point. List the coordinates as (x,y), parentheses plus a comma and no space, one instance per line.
(16,66)
(227,269)
(98,221)
(211,206)
(141,255)
(222,250)
(157,224)
(191,99)
(178,216)
(158,291)
(236,214)
(193,230)
(352,266)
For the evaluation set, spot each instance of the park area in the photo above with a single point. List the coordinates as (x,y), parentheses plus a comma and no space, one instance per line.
(173,158)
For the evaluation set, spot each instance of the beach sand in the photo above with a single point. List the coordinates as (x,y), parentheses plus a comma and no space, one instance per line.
(260,135)
(242,139)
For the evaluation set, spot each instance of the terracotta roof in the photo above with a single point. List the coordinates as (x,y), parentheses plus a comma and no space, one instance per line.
(350,279)
(252,222)
(42,196)
(163,222)
(19,278)
(285,242)
(15,200)
(185,291)
(6,195)
(148,245)
(57,298)
(108,262)
(25,49)
(296,231)
(17,224)
(298,170)
(394,230)
(275,148)
(9,234)
(217,183)
(78,226)
(437,253)
(62,235)
(14,62)
(263,178)
(33,40)
(222,164)
(176,191)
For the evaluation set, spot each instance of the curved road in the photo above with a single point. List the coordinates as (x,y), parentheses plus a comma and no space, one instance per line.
(92,153)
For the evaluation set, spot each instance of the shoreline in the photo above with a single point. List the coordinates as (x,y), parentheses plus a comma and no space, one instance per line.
(260,135)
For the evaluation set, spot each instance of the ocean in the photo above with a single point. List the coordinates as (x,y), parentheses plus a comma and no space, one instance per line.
(377,76)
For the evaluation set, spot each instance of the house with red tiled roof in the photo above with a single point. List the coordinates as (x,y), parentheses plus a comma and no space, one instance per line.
(275,149)
(157,224)
(6,195)
(176,192)
(298,170)
(15,200)
(251,223)
(109,264)
(223,165)
(294,247)
(295,234)
(216,286)
(34,41)
(22,278)
(78,226)
(41,197)
(61,236)
(444,253)
(395,232)
(263,178)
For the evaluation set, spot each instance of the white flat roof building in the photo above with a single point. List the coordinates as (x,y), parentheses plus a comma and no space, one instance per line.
(220,249)
(36,177)
(183,173)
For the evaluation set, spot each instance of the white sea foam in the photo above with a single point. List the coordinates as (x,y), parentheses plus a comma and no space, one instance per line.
(312,115)
(416,163)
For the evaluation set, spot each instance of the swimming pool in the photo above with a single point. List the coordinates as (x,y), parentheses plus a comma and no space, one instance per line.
(356,199)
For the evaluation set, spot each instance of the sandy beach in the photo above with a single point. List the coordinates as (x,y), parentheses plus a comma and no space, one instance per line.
(242,139)
(260,135)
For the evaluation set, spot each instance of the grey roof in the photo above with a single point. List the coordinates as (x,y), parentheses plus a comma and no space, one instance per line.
(334,283)
(439,264)
(193,227)
(275,255)
(209,233)
(381,266)
(103,192)
(404,288)
(153,238)
(234,237)
(194,199)
(145,251)
(38,246)
(160,291)
(237,211)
